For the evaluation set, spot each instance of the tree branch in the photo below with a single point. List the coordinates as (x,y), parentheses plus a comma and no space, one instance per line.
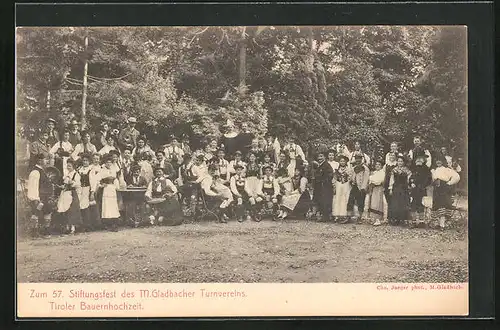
(196,34)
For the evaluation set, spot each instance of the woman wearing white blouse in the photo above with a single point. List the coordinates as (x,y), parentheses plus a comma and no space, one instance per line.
(84,147)
(60,153)
(69,204)
(443,178)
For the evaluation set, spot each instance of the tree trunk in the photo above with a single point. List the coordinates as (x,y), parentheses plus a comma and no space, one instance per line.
(84,96)
(48,100)
(243,59)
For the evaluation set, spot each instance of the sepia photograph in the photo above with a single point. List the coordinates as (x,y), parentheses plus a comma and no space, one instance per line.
(241,154)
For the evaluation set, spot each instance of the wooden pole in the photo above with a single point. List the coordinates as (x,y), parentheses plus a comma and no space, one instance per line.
(84,96)
(243,54)
(48,101)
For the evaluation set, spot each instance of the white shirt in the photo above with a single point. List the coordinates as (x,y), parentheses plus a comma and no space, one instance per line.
(34,184)
(73,178)
(294,150)
(79,148)
(66,145)
(206,185)
(365,160)
(170,184)
(94,176)
(334,164)
(276,186)
(106,149)
(170,151)
(199,171)
(445,174)
(233,163)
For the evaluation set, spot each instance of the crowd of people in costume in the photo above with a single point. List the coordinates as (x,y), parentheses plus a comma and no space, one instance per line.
(110,178)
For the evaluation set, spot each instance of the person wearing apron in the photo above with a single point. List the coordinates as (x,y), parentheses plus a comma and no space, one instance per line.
(61,152)
(84,190)
(69,204)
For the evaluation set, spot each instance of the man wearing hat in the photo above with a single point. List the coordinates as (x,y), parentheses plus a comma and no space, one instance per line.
(129,134)
(74,132)
(38,147)
(40,192)
(53,134)
(323,187)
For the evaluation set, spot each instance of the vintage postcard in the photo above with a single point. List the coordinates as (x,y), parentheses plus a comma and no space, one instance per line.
(211,171)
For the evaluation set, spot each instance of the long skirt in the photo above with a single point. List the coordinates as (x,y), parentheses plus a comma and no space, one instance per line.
(109,206)
(399,204)
(343,190)
(442,202)
(376,202)
(72,215)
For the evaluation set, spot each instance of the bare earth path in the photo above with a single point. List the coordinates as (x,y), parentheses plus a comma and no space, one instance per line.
(294,251)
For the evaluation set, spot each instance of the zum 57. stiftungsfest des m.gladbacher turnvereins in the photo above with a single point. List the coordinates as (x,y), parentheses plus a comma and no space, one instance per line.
(156,293)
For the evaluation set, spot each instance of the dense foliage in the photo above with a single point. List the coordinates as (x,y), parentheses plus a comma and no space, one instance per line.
(319,84)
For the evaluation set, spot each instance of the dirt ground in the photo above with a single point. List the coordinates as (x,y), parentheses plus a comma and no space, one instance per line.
(292,251)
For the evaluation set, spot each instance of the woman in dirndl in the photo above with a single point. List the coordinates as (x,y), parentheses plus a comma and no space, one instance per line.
(342,189)
(376,193)
(443,179)
(296,200)
(110,214)
(84,191)
(69,204)
(95,198)
(399,207)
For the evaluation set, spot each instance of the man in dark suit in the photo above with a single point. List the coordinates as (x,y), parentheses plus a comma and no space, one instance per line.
(323,187)
(38,147)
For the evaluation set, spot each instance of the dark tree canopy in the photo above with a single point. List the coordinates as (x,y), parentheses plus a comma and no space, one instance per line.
(318,84)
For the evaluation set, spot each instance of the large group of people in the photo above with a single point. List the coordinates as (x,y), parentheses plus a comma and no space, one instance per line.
(106,178)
